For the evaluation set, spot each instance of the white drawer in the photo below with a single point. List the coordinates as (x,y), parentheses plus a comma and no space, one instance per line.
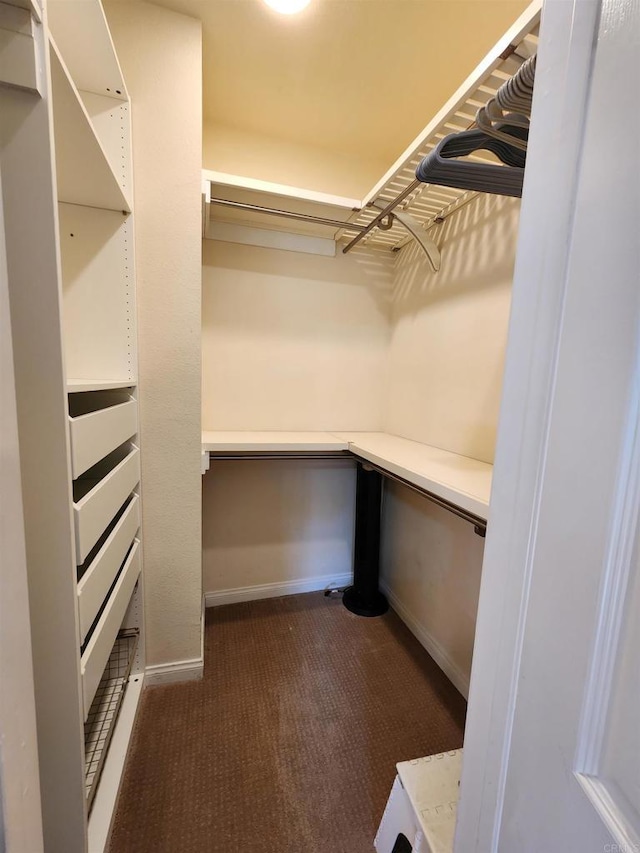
(96,581)
(94,511)
(95,435)
(97,653)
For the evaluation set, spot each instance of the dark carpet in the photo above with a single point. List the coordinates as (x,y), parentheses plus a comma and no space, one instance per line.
(289,743)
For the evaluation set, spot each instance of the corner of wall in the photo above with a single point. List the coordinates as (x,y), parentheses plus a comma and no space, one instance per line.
(166,100)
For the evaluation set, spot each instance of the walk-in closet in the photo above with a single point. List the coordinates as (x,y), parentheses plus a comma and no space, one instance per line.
(281,281)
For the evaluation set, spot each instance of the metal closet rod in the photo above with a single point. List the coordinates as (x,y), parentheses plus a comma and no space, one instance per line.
(382,215)
(287,214)
(479,524)
(278,455)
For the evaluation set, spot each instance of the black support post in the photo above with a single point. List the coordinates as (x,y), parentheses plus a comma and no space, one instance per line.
(364,598)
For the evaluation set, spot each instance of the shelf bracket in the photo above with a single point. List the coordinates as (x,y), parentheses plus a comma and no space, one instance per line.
(418,233)
(206,207)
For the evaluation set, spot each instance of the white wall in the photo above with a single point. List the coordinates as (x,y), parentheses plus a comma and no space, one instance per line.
(283,523)
(449,331)
(161,55)
(430,568)
(281,161)
(446,359)
(293,341)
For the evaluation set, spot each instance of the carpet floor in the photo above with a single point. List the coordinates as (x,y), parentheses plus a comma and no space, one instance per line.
(289,743)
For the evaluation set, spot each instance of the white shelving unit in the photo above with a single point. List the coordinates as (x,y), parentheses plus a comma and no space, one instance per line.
(79,385)
(92,128)
(74,322)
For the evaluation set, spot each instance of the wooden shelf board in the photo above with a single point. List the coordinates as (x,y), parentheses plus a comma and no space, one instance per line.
(83,170)
(226,442)
(75,386)
(81,32)
(457,479)
(268,188)
(460,480)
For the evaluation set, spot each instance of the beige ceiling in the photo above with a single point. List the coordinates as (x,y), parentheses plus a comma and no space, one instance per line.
(350,76)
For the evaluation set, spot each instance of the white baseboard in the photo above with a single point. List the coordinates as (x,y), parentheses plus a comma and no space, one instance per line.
(169,673)
(275,590)
(453,672)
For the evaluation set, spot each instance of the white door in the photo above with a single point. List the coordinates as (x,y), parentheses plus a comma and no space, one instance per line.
(552,749)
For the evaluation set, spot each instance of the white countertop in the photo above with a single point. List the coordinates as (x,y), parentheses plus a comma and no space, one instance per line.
(460,480)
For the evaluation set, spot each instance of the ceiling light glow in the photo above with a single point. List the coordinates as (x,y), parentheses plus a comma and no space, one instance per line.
(287,7)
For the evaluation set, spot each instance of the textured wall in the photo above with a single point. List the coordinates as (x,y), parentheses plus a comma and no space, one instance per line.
(449,331)
(161,56)
(446,359)
(431,567)
(277,522)
(293,341)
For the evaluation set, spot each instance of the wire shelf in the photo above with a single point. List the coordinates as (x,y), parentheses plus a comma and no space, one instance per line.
(430,204)
(105,707)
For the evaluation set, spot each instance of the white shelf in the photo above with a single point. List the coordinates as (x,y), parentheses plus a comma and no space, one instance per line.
(275,197)
(268,188)
(84,174)
(460,480)
(76,386)
(81,32)
(283,442)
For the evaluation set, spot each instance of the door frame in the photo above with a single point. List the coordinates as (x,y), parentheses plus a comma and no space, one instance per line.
(20,804)
(563,76)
